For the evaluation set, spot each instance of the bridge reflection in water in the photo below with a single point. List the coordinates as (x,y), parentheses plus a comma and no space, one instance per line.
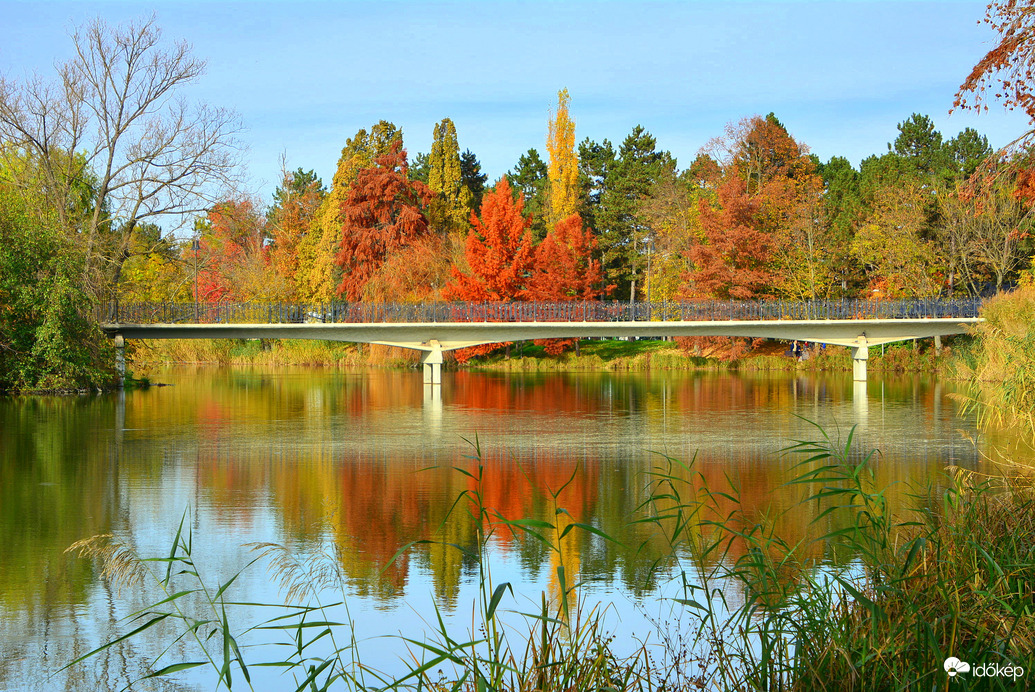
(434,328)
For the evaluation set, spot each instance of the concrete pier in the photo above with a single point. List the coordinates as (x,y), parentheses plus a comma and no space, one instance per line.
(120,358)
(432,361)
(860,354)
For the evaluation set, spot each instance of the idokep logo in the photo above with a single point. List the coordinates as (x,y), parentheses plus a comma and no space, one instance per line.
(953,666)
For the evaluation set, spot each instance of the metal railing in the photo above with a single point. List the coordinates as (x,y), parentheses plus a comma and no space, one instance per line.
(592,311)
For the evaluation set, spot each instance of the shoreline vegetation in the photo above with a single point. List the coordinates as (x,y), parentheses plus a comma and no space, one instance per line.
(592,355)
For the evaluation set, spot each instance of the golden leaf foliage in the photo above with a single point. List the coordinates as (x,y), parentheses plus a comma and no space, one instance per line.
(564,163)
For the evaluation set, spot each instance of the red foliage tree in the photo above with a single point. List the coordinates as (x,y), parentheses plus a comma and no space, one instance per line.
(732,262)
(564,270)
(382,214)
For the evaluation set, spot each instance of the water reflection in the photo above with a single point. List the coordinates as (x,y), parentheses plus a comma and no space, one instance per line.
(367,462)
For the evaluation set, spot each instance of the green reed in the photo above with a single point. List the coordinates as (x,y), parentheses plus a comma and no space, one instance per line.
(868,600)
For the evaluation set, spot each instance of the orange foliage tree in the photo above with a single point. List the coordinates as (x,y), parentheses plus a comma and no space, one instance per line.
(732,262)
(498,250)
(233,263)
(499,256)
(1008,69)
(382,215)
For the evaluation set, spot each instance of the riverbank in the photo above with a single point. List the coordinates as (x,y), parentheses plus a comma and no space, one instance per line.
(604,355)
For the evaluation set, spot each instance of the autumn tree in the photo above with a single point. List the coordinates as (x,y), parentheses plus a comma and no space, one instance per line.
(145,153)
(381,216)
(1007,69)
(156,270)
(498,251)
(564,268)
(733,261)
(233,264)
(295,203)
(892,243)
(445,177)
(319,275)
(988,230)
(670,215)
(781,180)
(563,166)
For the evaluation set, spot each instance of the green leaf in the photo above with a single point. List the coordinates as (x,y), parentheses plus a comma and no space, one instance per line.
(495,600)
(174,668)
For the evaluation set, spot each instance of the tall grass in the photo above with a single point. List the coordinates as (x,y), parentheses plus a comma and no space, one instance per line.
(866,601)
(1001,360)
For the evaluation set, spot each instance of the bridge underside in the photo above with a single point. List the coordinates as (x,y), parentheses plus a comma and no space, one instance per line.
(434,338)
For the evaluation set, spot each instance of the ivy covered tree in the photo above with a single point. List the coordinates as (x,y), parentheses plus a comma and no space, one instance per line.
(48,336)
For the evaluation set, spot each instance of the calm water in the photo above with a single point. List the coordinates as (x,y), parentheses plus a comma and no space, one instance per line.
(356,464)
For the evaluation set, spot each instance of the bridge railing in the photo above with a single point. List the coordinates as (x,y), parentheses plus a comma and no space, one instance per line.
(588,311)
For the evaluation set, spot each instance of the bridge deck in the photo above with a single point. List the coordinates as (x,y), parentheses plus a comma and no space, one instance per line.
(434,328)
(450,335)
(583,311)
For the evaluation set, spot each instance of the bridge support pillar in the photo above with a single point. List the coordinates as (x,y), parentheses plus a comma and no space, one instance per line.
(860,354)
(120,358)
(432,362)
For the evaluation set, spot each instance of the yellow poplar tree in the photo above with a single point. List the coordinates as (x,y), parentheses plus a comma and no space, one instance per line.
(564,163)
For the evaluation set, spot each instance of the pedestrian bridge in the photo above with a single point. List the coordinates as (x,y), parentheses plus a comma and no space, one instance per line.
(438,327)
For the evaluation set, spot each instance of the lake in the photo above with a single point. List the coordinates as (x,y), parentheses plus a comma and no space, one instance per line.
(348,467)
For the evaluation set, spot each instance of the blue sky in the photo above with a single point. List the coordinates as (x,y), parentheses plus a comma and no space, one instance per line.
(305,76)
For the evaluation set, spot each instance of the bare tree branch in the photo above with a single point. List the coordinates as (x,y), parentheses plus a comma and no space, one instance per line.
(115,124)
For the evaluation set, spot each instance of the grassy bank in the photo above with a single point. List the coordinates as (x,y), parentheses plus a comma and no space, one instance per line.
(612,355)
(592,355)
(664,355)
(1000,360)
(267,352)
(868,602)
